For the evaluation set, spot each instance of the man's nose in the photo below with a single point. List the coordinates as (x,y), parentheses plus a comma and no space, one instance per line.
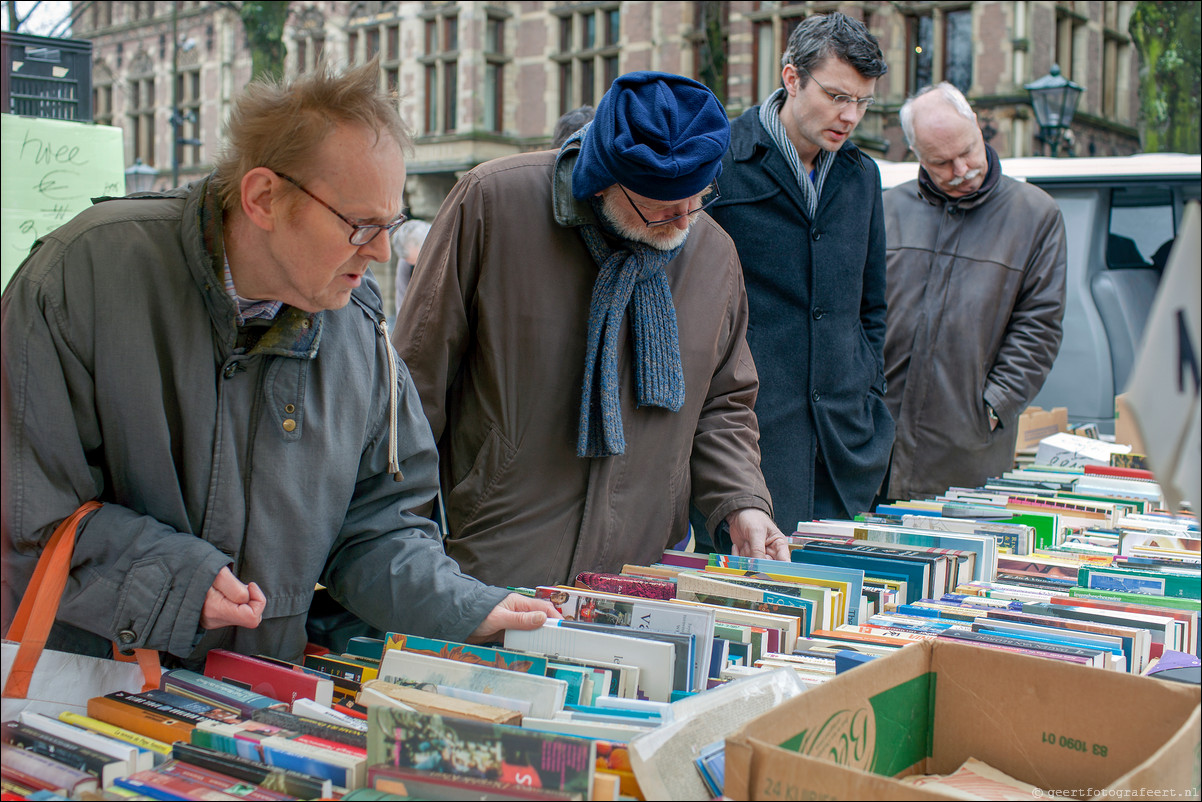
(378,250)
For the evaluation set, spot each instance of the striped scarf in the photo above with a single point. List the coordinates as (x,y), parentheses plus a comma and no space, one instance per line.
(810,190)
(633,277)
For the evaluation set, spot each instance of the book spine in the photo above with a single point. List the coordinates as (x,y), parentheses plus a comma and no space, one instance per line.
(154,725)
(222,693)
(289,782)
(156,747)
(308,726)
(60,749)
(220,782)
(146,701)
(45,769)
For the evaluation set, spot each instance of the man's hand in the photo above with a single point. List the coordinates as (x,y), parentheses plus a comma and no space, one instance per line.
(754,534)
(514,612)
(229,603)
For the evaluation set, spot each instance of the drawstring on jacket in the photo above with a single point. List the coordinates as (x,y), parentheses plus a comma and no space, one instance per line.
(394,464)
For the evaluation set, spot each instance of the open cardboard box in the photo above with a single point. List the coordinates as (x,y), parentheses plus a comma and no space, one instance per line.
(1079,732)
(1036,423)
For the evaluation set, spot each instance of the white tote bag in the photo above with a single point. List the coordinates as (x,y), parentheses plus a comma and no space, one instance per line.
(46,681)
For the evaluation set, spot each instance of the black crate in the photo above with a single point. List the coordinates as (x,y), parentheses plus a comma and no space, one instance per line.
(46,77)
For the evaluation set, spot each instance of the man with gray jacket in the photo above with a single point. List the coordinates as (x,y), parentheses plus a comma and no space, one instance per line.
(212,364)
(975,276)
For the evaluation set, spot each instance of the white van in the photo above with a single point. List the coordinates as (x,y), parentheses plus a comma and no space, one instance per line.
(1121,215)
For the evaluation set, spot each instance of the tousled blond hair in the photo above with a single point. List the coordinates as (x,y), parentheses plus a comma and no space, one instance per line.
(279,124)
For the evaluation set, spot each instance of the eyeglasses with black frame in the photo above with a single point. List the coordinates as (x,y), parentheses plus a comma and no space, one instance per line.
(361,233)
(861,103)
(711,190)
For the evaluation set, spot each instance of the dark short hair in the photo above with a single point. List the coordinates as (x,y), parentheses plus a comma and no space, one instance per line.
(838,35)
(570,123)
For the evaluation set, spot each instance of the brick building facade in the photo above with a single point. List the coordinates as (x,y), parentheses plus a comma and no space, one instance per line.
(477,80)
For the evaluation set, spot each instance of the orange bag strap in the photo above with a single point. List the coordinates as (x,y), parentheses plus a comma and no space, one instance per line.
(36,613)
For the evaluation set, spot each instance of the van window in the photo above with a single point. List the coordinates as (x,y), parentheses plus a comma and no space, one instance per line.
(1141,222)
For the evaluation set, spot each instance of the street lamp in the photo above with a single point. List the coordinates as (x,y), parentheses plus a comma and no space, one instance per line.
(139,177)
(1054,99)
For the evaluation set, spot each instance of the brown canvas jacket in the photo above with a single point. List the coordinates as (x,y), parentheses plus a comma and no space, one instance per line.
(493,329)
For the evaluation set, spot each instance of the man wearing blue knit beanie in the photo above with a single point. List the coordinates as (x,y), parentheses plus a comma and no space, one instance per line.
(576,328)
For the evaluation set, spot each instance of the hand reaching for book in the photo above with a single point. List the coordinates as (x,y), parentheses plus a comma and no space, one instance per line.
(514,612)
(230,603)
(753,534)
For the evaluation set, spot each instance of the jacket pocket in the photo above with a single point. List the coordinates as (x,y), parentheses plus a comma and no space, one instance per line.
(491,464)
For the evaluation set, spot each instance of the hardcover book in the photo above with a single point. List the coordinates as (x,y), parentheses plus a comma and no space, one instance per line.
(464,653)
(436,785)
(159,750)
(497,752)
(377,691)
(101,765)
(274,778)
(134,758)
(643,587)
(50,773)
(547,695)
(223,694)
(269,679)
(147,722)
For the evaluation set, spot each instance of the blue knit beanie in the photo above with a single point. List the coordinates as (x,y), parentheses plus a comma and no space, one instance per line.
(659,135)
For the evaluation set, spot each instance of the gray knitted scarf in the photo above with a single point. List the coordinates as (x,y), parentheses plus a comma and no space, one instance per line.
(633,277)
(810,190)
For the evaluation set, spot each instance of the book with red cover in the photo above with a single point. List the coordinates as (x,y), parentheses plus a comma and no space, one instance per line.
(643,587)
(268,679)
(418,784)
(221,782)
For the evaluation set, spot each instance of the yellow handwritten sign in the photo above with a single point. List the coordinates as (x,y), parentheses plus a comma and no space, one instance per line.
(52,170)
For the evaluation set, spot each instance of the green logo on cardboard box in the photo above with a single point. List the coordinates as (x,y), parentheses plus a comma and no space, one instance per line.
(892,733)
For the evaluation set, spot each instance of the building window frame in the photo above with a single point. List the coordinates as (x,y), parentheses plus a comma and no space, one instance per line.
(440,67)
(589,53)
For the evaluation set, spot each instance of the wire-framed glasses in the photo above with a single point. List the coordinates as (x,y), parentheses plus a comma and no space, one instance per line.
(361,233)
(711,191)
(861,103)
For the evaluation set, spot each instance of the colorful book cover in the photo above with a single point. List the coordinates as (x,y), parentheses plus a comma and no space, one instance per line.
(577,604)
(294,784)
(498,752)
(464,653)
(643,587)
(241,700)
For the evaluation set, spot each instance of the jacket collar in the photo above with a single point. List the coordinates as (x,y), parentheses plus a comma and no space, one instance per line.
(569,212)
(936,197)
(752,142)
(293,332)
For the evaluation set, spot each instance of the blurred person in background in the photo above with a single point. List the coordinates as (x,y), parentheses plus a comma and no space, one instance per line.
(407,243)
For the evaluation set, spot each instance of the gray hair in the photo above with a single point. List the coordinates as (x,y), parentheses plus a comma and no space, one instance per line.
(838,35)
(949,93)
(411,234)
(570,123)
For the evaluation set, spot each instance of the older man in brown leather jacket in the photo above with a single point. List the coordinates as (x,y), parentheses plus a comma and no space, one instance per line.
(975,278)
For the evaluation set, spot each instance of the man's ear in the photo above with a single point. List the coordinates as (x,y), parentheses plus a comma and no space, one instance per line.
(262,201)
(790,78)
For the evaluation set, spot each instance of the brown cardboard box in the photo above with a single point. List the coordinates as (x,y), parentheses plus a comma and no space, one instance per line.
(1075,731)
(1035,424)
(1125,430)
